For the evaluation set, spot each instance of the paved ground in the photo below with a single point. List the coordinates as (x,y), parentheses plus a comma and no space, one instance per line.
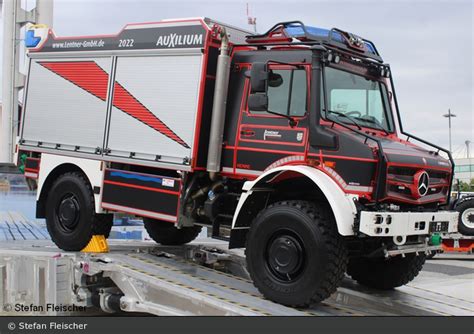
(449,275)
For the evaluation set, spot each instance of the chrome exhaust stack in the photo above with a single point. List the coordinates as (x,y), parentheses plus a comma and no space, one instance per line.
(219,108)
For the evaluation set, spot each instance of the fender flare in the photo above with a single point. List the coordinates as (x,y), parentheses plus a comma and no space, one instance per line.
(90,168)
(342,204)
(462,200)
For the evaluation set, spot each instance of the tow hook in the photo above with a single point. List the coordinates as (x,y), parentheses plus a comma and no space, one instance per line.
(399,240)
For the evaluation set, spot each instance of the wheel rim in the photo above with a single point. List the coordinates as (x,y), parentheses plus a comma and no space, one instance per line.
(68,212)
(467,217)
(285,256)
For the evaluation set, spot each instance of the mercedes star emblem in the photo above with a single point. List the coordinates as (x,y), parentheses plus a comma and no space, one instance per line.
(423,183)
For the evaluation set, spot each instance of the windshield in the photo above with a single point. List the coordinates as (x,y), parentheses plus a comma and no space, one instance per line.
(352,98)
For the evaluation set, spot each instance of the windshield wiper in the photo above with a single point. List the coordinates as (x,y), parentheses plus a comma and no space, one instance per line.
(341,114)
(289,118)
(374,122)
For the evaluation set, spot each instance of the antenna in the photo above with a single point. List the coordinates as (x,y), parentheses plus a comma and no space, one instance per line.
(251,20)
(449,115)
(468,148)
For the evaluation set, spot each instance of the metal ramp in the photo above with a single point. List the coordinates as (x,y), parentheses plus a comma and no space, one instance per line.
(195,289)
(203,278)
(15,226)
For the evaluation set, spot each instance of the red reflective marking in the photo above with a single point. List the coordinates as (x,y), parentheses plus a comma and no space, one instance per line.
(85,74)
(94,80)
(128,185)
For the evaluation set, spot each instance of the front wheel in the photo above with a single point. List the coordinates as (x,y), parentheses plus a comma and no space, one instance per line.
(385,274)
(294,253)
(167,234)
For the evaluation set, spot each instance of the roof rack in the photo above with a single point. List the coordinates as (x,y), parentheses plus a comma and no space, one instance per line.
(287,32)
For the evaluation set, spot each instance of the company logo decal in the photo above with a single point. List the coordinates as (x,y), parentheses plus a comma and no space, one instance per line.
(299,136)
(272,134)
(93,79)
(173,40)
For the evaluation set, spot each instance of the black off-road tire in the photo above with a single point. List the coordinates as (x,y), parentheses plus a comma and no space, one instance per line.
(295,255)
(70,213)
(167,234)
(386,274)
(466,217)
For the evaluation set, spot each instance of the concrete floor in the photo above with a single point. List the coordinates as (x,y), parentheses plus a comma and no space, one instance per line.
(450,275)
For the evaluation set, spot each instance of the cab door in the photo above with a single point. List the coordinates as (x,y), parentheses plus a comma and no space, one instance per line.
(267,140)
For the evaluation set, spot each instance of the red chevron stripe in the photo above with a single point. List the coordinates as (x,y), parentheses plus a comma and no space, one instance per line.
(94,80)
(128,103)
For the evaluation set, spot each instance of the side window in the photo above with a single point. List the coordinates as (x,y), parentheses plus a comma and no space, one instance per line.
(287,93)
(298,105)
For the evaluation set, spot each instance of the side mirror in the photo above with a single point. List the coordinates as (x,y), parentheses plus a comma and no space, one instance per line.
(258,78)
(259,75)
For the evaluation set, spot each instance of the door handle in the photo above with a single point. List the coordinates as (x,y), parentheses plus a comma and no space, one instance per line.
(247,133)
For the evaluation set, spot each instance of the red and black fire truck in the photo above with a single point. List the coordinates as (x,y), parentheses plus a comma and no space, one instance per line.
(287,143)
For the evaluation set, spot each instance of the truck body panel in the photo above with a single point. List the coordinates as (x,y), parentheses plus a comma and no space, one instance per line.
(150,80)
(57,111)
(138,193)
(69,101)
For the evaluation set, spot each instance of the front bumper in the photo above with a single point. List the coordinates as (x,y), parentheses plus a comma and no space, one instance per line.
(402,224)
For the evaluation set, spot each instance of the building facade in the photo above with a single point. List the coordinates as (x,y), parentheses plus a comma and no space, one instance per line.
(464,169)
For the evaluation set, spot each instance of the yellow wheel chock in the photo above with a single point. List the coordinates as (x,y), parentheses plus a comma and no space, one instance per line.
(97,244)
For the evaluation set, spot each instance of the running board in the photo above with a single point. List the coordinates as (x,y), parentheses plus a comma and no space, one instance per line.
(421,249)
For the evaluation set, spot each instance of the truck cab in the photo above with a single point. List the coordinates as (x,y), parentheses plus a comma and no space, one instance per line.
(325,100)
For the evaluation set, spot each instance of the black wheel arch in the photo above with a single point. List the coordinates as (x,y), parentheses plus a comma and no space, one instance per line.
(282,191)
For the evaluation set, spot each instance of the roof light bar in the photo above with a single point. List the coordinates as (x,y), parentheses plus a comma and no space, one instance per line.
(286,32)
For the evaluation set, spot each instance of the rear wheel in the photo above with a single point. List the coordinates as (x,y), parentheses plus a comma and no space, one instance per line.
(166,233)
(466,217)
(385,274)
(294,253)
(70,213)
